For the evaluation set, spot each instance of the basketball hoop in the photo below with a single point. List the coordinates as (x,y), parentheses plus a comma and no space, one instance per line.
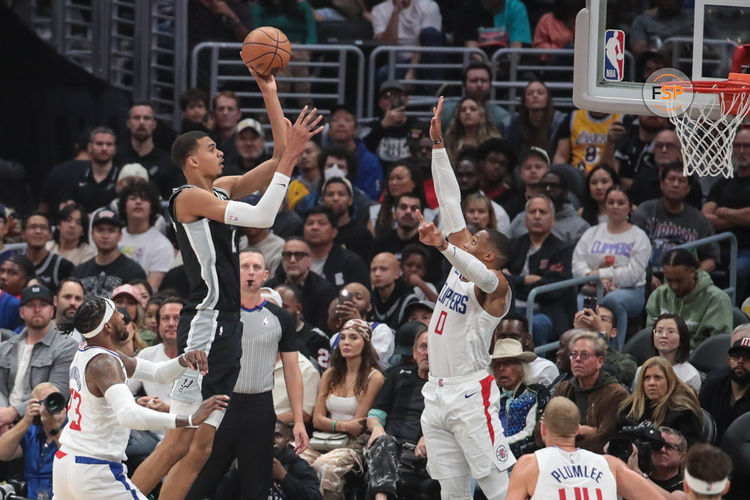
(707,135)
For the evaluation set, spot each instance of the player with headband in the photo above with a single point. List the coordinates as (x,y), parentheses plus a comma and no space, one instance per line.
(102,410)
(462,431)
(707,470)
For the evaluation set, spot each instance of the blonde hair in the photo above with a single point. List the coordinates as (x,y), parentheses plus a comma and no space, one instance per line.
(455,133)
(562,417)
(679,395)
(480,198)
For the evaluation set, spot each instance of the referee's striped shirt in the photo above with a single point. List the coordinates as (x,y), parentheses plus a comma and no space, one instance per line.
(267,329)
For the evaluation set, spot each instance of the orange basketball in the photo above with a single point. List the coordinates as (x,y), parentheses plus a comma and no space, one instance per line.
(267,50)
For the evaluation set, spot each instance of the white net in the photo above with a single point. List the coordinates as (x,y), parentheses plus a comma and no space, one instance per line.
(707,142)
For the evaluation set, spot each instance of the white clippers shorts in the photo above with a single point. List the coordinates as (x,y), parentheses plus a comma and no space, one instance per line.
(461,427)
(84,478)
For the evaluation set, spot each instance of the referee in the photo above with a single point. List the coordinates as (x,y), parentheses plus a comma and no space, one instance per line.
(247,431)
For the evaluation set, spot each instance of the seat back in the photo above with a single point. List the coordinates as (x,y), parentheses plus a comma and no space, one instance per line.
(736,442)
(708,432)
(739,317)
(640,345)
(711,353)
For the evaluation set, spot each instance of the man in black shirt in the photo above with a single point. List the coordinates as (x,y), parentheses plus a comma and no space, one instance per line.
(95,188)
(141,149)
(352,232)
(250,143)
(338,265)
(110,268)
(396,444)
(313,343)
(57,185)
(51,269)
(666,472)
(634,150)
(391,294)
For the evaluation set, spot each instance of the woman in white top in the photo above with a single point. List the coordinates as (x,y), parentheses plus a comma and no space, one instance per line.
(671,341)
(347,391)
(69,239)
(616,251)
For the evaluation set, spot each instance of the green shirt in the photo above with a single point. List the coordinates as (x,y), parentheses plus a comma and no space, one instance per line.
(299,30)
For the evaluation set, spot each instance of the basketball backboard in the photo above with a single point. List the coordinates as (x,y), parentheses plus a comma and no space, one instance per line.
(609,76)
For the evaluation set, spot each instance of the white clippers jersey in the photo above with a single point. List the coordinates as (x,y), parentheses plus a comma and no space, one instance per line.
(460,330)
(92,429)
(578,475)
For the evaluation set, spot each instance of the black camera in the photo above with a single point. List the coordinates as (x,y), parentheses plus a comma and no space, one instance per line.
(646,438)
(12,490)
(397,102)
(55,403)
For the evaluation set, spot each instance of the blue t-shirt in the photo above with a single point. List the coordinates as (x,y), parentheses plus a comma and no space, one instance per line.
(38,457)
(9,305)
(514,21)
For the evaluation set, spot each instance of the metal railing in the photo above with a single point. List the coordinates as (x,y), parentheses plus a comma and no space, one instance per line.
(552,287)
(327,75)
(455,60)
(719,54)
(136,45)
(518,61)
(732,289)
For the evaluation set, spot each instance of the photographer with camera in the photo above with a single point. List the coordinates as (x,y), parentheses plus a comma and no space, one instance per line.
(35,437)
(661,398)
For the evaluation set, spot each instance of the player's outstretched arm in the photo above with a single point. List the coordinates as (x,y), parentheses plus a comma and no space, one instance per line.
(165,372)
(446,186)
(239,186)
(192,203)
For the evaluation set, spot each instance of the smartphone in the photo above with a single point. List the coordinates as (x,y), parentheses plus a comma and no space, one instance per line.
(590,303)
(397,102)
(345,296)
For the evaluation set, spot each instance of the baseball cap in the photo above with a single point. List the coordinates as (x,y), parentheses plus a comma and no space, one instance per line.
(741,346)
(251,124)
(426,304)
(392,85)
(36,292)
(130,290)
(405,336)
(105,215)
(132,170)
(338,179)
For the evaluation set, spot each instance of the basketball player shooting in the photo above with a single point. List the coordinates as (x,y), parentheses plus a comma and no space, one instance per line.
(564,472)
(205,214)
(101,410)
(463,434)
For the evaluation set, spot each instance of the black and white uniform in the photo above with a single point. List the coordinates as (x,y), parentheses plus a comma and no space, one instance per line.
(577,475)
(460,421)
(210,320)
(92,444)
(248,428)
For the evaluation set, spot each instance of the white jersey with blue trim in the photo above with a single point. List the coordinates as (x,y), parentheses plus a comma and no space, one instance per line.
(460,330)
(92,429)
(573,475)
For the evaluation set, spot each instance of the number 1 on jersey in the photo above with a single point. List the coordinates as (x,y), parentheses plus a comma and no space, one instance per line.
(440,322)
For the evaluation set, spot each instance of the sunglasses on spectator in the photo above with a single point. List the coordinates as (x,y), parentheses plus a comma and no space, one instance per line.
(672,446)
(743,357)
(297,255)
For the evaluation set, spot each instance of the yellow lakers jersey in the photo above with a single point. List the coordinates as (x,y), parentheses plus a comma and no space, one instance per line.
(588,136)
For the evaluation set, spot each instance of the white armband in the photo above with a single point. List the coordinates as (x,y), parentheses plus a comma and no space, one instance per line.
(129,414)
(263,214)
(472,268)
(448,192)
(164,372)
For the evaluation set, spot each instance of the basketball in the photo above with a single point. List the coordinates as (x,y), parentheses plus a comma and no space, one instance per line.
(267,50)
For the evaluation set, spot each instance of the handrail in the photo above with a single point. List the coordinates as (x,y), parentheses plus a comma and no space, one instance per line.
(340,67)
(557,286)
(726,235)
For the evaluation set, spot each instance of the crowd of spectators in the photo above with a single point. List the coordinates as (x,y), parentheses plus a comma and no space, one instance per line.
(344,248)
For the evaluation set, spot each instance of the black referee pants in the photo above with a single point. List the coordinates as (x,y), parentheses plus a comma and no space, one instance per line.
(245,433)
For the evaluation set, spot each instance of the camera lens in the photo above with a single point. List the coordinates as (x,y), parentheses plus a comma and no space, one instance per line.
(55,402)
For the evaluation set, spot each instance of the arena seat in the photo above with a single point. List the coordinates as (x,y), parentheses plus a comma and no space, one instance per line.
(337,32)
(708,431)
(711,353)
(640,346)
(736,442)
(739,317)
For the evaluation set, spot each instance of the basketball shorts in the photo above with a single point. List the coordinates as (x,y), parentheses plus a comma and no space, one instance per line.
(461,427)
(220,335)
(84,478)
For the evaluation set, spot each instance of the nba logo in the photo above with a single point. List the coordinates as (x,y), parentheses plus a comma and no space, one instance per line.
(614,55)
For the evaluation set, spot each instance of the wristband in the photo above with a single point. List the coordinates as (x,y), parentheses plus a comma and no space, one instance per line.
(444,242)
(190,420)
(439,141)
(333,425)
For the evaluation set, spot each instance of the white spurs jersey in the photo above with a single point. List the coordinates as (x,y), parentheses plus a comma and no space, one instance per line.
(92,429)
(577,475)
(460,330)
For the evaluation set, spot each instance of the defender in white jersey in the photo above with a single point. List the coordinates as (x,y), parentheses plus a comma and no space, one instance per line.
(561,471)
(101,409)
(463,434)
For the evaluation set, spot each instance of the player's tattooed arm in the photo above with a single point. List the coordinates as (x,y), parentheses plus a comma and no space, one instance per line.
(102,372)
